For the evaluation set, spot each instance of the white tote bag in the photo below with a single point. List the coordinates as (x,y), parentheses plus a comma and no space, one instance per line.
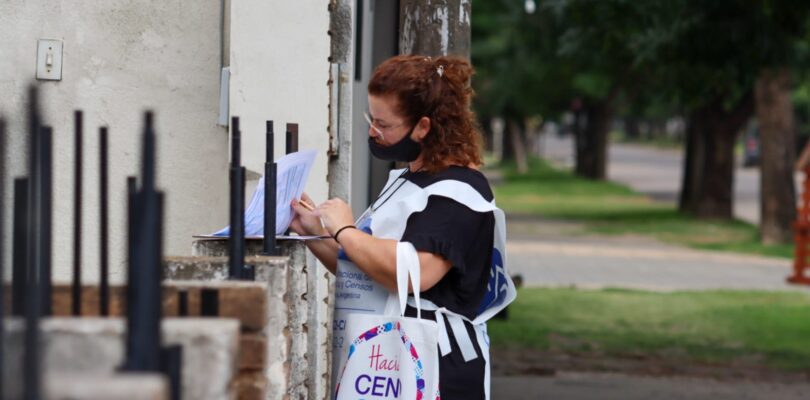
(392,356)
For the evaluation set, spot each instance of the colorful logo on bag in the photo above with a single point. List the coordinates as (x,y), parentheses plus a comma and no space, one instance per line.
(497,286)
(365,226)
(379,386)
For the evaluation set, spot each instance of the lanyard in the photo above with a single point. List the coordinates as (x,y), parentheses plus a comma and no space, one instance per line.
(370,210)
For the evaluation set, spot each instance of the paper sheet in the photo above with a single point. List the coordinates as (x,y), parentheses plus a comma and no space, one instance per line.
(292,173)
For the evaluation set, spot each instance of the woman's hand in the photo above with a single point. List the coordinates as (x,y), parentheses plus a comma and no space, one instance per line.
(306,222)
(335,214)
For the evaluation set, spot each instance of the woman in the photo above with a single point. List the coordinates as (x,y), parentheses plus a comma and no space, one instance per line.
(419,113)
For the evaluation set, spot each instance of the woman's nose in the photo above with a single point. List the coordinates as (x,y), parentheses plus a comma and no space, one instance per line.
(375,133)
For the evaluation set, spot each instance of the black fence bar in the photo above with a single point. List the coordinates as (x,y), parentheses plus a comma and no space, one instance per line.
(292,138)
(19,272)
(172,365)
(36,248)
(209,302)
(32,377)
(269,195)
(33,129)
(149,156)
(133,277)
(143,351)
(130,224)
(249,273)
(236,239)
(104,259)
(45,212)
(291,143)
(131,192)
(269,144)
(131,271)
(76,287)
(182,303)
(156,260)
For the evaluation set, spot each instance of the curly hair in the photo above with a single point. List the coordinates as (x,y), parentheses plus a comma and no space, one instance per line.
(438,88)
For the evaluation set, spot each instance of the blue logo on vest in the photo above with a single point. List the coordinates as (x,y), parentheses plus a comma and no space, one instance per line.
(497,286)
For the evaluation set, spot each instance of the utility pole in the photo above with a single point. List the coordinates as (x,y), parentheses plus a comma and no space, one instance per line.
(341,30)
(342,23)
(435,28)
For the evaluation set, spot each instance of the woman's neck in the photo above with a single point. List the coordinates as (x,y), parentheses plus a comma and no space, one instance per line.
(415,165)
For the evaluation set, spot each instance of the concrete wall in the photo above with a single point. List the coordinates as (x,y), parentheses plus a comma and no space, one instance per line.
(121,57)
(280,69)
(279,60)
(293,356)
(98,345)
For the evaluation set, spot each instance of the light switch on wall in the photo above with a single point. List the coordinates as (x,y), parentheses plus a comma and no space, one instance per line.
(49,59)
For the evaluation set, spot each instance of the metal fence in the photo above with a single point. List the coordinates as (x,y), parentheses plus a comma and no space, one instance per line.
(32,243)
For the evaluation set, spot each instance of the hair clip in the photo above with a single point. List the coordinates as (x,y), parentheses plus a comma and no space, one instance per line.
(440,70)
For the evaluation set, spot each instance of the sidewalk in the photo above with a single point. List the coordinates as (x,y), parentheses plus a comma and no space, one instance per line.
(548,254)
(609,386)
(545,256)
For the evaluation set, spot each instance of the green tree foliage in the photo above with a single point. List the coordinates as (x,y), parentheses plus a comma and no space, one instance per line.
(698,58)
(571,55)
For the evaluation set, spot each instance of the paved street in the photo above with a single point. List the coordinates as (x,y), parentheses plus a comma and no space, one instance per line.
(609,386)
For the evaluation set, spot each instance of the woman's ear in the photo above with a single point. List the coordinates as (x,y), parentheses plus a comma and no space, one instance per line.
(422,128)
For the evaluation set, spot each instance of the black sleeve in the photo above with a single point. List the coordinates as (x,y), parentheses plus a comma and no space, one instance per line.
(447,228)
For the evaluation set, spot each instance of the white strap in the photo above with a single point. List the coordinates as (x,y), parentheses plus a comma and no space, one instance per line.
(456,322)
(462,337)
(408,264)
(444,339)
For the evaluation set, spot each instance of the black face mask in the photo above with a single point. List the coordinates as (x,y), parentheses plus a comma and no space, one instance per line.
(406,150)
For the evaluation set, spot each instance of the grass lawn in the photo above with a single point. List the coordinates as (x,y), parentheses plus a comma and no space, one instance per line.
(613,209)
(748,328)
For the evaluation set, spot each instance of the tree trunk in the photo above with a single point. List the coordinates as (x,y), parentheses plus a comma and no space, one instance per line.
(694,157)
(708,181)
(631,128)
(518,146)
(486,132)
(777,155)
(507,149)
(591,142)
(435,28)
(716,188)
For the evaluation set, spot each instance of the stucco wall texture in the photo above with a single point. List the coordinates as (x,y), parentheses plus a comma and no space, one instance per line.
(279,61)
(122,57)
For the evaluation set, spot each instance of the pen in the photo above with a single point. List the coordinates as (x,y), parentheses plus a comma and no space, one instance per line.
(310,208)
(306,205)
